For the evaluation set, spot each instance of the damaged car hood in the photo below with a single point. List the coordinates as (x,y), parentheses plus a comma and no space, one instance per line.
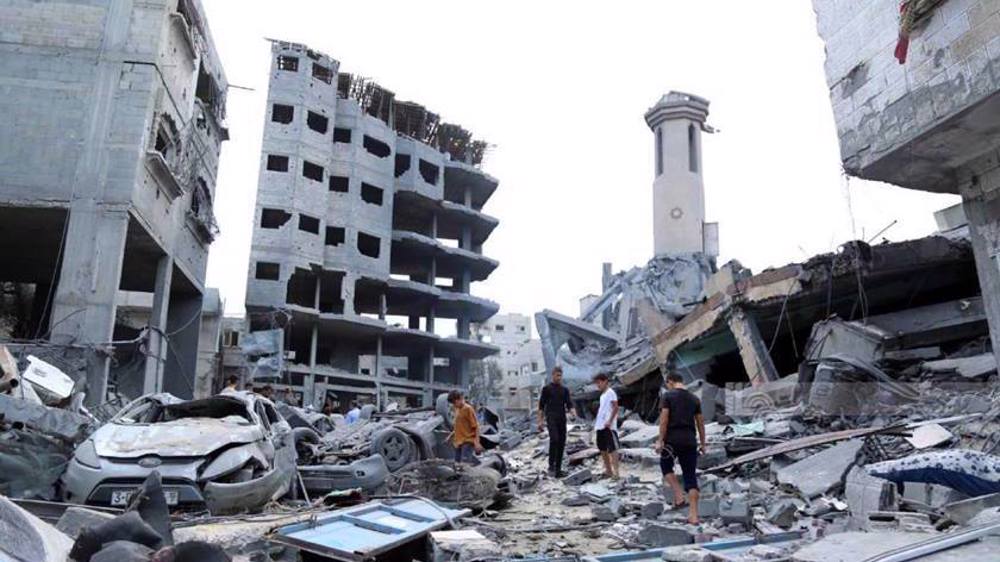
(187,437)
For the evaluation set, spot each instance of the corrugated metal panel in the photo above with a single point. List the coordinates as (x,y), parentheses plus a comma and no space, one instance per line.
(364,531)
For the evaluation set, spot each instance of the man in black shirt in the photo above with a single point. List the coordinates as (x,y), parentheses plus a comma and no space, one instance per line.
(552,407)
(680,417)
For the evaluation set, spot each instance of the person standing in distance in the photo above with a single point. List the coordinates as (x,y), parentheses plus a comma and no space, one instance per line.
(680,417)
(553,404)
(606,426)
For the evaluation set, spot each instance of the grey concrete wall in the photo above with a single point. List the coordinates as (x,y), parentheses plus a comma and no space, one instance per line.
(882,107)
(83,88)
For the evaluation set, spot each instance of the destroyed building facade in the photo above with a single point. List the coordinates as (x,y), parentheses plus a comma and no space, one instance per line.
(368,235)
(519,364)
(115,115)
(917,104)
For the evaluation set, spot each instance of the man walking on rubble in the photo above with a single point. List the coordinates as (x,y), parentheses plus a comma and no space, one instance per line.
(606,426)
(553,404)
(680,417)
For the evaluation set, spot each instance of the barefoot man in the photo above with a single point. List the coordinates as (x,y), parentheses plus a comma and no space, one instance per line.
(680,416)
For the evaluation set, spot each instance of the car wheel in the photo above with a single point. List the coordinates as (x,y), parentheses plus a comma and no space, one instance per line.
(395,447)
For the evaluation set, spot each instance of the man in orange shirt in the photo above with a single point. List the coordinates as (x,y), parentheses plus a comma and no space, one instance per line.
(465,438)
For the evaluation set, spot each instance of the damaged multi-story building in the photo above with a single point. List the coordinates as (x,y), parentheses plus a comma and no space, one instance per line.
(917,104)
(519,366)
(114,115)
(368,235)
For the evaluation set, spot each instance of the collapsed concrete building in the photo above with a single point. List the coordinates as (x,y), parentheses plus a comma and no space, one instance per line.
(368,235)
(928,119)
(612,333)
(114,119)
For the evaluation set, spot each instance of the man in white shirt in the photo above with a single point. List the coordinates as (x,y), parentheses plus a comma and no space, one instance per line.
(606,425)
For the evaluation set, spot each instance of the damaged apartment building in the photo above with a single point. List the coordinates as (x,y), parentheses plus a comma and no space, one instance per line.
(113,122)
(368,235)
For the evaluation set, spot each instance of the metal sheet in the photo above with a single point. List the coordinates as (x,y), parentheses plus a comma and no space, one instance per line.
(364,531)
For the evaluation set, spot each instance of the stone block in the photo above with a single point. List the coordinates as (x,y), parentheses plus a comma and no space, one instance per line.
(782,513)
(657,536)
(608,512)
(461,545)
(714,455)
(652,510)
(735,510)
(688,554)
(576,501)
(76,519)
(822,472)
(708,506)
(579,477)
(644,437)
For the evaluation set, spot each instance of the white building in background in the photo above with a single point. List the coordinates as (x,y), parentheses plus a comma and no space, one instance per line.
(520,359)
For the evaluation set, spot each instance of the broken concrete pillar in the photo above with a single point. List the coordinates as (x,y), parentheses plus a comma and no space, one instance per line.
(183,329)
(156,356)
(982,207)
(83,306)
(756,359)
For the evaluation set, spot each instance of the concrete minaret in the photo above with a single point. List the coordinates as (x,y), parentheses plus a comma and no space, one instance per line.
(677,121)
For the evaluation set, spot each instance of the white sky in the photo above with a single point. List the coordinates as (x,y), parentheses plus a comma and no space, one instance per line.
(560,89)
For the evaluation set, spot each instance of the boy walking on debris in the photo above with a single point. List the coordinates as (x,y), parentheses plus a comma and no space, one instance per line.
(465,438)
(606,425)
(680,416)
(553,404)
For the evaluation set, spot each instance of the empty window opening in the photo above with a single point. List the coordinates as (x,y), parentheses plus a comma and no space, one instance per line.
(429,172)
(282,113)
(166,141)
(340,184)
(369,245)
(285,62)
(273,218)
(402,164)
(335,235)
(317,122)
(268,271)
(498,328)
(312,171)
(277,163)
(308,224)
(207,91)
(330,290)
(341,134)
(323,73)
(449,242)
(377,147)
(371,194)
(692,149)
(301,288)
(659,151)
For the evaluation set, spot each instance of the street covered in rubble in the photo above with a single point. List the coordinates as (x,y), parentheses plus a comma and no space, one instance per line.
(361,402)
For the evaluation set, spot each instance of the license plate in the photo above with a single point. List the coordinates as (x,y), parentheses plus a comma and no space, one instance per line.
(120,498)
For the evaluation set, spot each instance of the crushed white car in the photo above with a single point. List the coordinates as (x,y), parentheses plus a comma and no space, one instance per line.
(227,453)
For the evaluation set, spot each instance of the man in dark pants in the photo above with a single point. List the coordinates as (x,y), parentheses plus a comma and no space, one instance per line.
(680,418)
(552,407)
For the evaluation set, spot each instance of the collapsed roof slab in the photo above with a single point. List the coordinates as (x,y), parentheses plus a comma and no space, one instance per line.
(857,281)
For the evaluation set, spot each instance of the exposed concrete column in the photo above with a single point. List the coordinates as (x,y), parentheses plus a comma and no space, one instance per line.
(464,331)
(756,359)
(83,307)
(466,281)
(378,357)
(309,392)
(983,213)
(156,357)
(383,306)
(466,242)
(463,373)
(184,327)
(605,284)
(430,364)
(468,196)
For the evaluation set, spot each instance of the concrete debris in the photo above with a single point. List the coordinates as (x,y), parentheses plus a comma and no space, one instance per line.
(964,511)
(461,546)
(823,471)
(654,536)
(866,494)
(29,539)
(77,518)
(929,435)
